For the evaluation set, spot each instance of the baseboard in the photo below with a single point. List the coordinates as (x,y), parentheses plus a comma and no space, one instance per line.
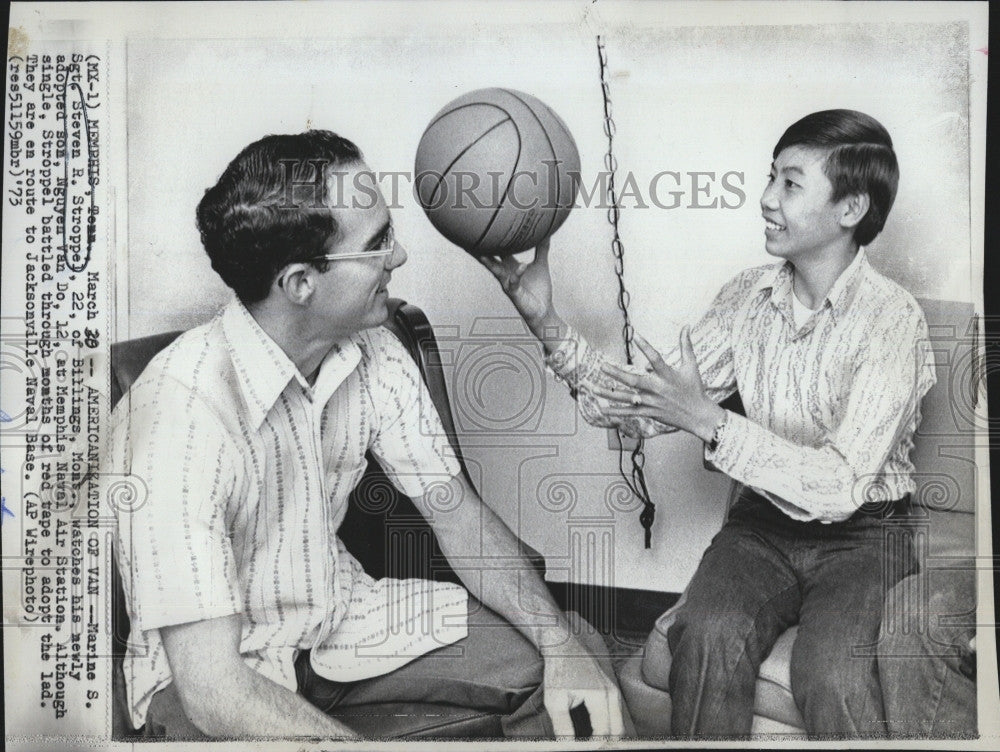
(624,612)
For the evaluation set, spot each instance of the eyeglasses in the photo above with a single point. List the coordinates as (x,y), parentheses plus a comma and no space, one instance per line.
(386,246)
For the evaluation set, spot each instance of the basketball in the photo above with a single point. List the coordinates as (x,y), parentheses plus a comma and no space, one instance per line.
(497,172)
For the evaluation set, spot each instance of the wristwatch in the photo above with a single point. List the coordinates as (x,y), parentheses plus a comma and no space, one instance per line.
(717,433)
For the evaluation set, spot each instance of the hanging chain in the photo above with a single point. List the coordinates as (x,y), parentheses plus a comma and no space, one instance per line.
(634,479)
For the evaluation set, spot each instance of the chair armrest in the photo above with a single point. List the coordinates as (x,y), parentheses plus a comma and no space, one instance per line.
(411,326)
(130,358)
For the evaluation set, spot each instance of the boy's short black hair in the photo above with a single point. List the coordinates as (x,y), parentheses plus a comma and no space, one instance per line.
(860,159)
(270,208)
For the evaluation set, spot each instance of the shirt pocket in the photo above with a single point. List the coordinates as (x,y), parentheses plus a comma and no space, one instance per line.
(342,476)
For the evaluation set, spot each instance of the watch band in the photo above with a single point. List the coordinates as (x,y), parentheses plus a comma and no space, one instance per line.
(717,433)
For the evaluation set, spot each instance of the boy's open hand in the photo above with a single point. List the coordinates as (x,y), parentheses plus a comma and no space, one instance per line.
(675,396)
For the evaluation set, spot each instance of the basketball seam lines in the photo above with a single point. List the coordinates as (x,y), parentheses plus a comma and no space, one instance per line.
(574,183)
(506,190)
(462,153)
(443,115)
(552,149)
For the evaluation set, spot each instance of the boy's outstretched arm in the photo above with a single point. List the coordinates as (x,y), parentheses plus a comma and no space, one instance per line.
(529,287)
(828,481)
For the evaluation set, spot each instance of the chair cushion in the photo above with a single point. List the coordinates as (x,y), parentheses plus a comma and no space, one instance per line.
(943,450)
(774,700)
(130,358)
(656,657)
(767,727)
(649,706)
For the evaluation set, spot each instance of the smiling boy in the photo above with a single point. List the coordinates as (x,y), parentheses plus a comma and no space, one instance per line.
(831,361)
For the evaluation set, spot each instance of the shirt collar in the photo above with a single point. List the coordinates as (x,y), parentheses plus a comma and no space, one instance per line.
(263,369)
(846,287)
(839,297)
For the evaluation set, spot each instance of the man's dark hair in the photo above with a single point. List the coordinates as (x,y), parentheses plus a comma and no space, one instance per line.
(271,207)
(859,160)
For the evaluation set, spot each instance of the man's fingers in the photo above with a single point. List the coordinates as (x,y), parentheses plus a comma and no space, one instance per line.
(617,721)
(509,263)
(557,705)
(504,269)
(508,274)
(517,272)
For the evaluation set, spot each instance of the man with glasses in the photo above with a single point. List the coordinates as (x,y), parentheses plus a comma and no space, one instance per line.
(250,432)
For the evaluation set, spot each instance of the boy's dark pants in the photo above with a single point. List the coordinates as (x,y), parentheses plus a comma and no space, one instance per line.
(763,573)
(926,663)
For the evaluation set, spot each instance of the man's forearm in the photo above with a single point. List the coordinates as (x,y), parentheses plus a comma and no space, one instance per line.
(252,705)
(491,563)
(489,559)
(223,696)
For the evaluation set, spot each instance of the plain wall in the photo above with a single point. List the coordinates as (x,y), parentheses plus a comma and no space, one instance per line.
(701,99)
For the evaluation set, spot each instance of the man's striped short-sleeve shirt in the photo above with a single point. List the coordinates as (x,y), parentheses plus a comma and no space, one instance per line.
(245,470)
